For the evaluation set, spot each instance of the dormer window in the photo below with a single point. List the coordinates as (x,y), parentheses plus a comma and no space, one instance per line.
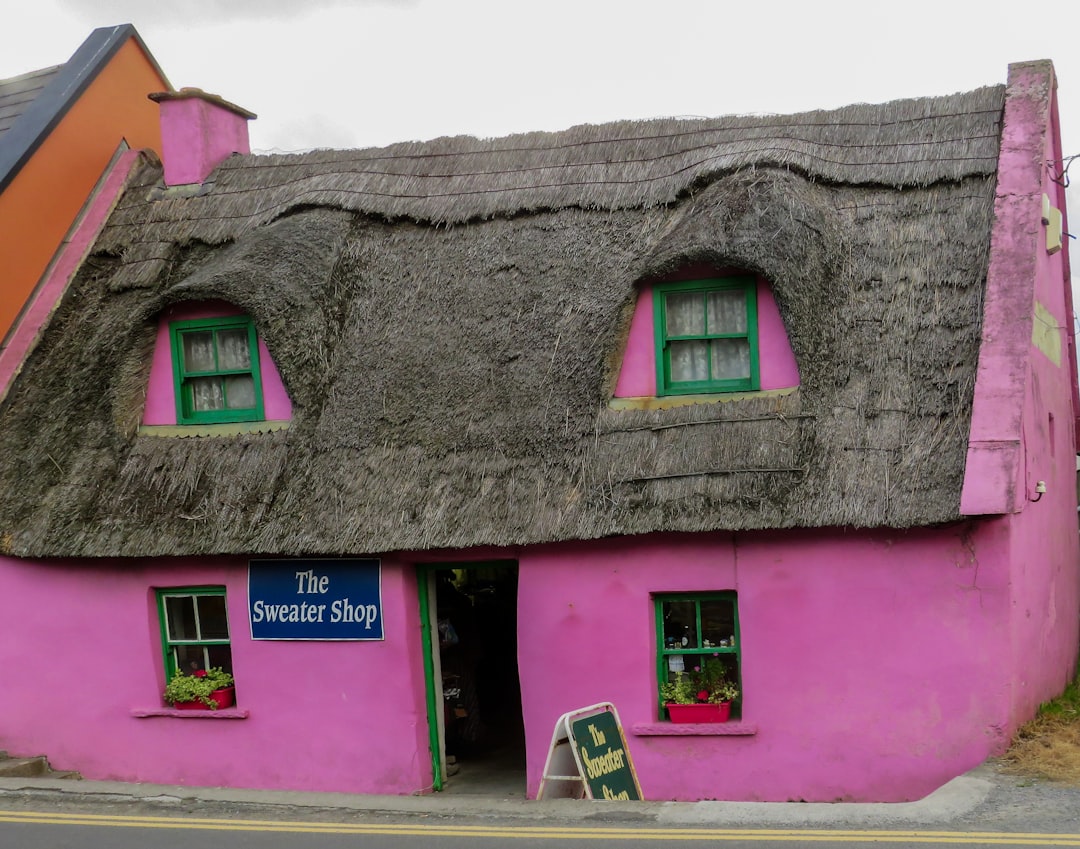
(216,370)
(706,336)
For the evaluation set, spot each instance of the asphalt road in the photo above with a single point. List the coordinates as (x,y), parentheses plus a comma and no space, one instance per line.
(985,807)
(56,830)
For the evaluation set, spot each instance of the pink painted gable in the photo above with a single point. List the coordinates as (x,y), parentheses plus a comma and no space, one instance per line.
(637,377)
(1028,299)
(161,396)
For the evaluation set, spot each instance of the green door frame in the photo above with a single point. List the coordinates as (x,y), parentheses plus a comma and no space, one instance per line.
(425,586)
(425,580)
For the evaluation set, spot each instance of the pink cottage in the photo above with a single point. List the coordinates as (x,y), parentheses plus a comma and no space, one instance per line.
(429,445)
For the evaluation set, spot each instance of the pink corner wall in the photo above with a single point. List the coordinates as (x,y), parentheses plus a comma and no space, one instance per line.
(161,394)
(1023,419)
(637,376)
(331,716)
(1045,550)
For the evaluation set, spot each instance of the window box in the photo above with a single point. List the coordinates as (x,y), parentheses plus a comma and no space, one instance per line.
(699,713)
(224,698)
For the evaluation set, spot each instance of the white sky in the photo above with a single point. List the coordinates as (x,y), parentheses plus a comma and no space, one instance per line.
(356,73)
(359,73)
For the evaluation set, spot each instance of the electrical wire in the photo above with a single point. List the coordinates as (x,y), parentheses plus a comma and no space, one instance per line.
(1061,177)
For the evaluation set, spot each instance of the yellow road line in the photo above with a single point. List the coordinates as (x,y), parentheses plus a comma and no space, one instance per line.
(552,832)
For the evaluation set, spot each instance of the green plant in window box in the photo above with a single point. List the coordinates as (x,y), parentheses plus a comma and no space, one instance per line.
(705,684)
(198,687)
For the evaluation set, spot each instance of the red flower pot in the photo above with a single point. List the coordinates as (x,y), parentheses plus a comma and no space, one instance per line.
(224,698)
(699,713)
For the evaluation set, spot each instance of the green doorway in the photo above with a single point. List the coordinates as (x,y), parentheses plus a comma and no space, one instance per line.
(470,661)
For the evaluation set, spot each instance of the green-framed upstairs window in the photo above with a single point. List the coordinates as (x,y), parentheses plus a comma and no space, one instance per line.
(706,336)
(194,630)
(698,632)
(216,369)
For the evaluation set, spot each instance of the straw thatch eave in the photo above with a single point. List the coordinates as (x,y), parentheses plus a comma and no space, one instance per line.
(448,319)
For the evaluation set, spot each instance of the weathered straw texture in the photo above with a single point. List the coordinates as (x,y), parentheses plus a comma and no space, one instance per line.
(449,319)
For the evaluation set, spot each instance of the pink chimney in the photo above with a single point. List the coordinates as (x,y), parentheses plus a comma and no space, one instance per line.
(198,132)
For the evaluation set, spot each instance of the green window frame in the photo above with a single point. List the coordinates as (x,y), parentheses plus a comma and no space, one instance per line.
(194,629)
(695,630)
(216,370)
(706,336)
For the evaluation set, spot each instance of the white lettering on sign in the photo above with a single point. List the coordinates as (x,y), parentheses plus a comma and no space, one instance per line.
(315,583)
(304,612)
(342,611)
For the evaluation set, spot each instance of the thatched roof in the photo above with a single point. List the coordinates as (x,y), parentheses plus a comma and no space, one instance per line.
(449,316)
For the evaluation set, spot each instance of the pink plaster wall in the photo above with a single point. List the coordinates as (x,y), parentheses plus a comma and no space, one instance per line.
(872,663)
(875,668)
(331,716)
(161,394)
(637,376)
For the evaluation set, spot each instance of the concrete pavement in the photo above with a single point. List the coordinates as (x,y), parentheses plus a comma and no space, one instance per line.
(956,804)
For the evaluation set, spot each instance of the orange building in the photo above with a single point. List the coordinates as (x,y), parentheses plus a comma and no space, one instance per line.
(60,128)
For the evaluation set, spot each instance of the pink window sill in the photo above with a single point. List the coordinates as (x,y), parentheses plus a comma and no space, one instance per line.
(230,713)
(694,729)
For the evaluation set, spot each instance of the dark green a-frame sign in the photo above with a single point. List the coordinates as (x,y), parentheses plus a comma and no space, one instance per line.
(589,757)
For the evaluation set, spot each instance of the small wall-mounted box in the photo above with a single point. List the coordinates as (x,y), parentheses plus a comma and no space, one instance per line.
(1051,217)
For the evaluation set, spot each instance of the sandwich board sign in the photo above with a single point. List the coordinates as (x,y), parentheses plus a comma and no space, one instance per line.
(589,758)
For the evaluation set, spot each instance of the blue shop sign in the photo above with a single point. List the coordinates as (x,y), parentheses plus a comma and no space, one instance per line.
(315,599)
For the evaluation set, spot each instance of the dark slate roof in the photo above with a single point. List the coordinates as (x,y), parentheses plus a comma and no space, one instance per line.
(17,93)
(449,318)
(33,104)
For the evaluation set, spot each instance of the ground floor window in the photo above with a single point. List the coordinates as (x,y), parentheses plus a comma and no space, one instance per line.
(698,649)
(194,630)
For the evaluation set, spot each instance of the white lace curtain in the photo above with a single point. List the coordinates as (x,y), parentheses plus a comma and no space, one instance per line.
(234,392)
(233,353)
(706,314)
